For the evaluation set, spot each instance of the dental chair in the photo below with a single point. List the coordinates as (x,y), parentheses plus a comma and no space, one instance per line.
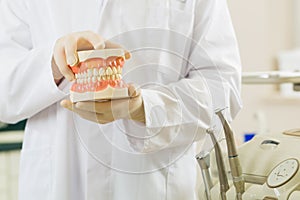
(269,165)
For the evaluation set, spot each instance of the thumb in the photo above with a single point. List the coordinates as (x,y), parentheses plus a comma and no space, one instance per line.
(133,91)
(67,104)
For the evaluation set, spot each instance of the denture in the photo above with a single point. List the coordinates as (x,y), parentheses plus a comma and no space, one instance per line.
(99,76)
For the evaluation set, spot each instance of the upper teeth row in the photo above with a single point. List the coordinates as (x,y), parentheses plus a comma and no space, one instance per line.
(99,72)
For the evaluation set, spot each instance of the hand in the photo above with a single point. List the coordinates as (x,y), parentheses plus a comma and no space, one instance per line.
(65,52)
(109,111)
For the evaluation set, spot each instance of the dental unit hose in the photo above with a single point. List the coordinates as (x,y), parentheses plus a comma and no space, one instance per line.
(224,186)
(235,166)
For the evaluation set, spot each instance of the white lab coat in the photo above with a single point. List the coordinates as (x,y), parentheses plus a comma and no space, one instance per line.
(185,57)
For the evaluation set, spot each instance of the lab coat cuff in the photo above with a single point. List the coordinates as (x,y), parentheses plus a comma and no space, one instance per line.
(47,81)
(157,114)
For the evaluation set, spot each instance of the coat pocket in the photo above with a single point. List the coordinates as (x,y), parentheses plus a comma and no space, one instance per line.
(35,174)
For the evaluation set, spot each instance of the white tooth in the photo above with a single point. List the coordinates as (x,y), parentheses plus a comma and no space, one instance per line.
(80,81)
(95,72)
(84,74)
(108,77)
(84,80)
(99,78)
(101,71)
(104,78)
(89,79)
(76,76)
(94,79)
(113,77)
(109,71)
(115,70)
(119,70)
(115,63)
(90,72)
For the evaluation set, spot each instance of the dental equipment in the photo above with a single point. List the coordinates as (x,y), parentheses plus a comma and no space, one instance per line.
(98,75)
(204,163)
(233,158)
(224,186)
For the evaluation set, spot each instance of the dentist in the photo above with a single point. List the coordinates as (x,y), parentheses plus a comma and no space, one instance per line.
(185,63)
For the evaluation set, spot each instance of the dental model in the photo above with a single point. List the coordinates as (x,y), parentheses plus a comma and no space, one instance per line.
(98,76)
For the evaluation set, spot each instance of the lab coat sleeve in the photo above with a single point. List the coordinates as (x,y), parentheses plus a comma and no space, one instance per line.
(180,113)
(26,81)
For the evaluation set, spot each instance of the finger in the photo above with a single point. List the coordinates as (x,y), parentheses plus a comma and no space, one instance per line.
(98,107)
(81,41)
(127,55)
(94,39)
(116,108)
(67,104)
(111,45)
(57,75)
(106,107)
(71,51)
(90,116)
(133,91)
(60,60)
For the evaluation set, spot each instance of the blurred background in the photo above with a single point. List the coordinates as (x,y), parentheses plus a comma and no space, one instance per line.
(11,137)
(268,36)
(268,33)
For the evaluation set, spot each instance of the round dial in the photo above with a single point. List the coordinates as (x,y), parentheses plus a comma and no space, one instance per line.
(282,173)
